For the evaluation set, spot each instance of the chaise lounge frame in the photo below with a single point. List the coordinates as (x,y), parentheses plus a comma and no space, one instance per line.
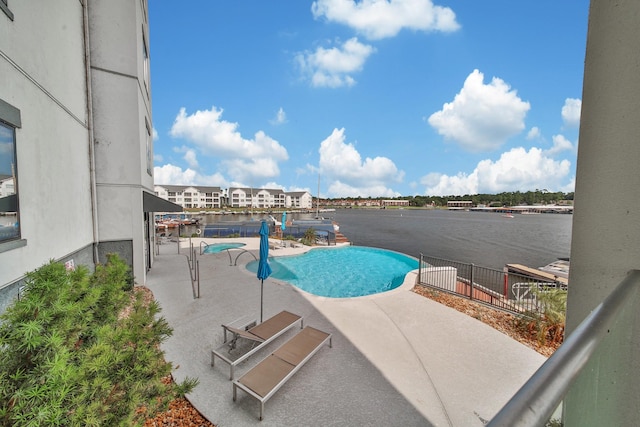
(266,378)
(260,335)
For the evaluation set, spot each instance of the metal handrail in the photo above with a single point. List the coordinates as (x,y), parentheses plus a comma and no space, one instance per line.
(499,289)
(242,251)
(538,398)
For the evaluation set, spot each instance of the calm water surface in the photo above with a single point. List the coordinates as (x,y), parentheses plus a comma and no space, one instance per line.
(485,239)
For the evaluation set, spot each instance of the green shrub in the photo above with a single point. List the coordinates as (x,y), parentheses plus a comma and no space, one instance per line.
(547,323)
(309,237)
(68,359)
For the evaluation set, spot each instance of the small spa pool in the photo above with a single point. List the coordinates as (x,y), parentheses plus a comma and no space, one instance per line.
(350,271)
(219,247)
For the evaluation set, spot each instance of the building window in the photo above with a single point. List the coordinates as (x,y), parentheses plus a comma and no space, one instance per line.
(145,62)
(149,149)
(144,10)
(9,218)
(4,5)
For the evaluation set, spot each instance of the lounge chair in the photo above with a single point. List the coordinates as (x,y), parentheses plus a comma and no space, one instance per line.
(264,379)
(275,245)
(248,339)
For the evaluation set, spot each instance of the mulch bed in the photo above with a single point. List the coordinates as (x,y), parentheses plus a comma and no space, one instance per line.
(180,413)
(497,319)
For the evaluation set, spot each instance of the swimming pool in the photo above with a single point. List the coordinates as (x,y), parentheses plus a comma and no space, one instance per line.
(219,247)
(349,271)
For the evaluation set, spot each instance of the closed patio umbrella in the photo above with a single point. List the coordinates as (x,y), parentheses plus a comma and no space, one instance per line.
(264,269)
(283,226)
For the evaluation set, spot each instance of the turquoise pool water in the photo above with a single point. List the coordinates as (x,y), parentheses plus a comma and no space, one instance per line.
(219,247)
(350,271)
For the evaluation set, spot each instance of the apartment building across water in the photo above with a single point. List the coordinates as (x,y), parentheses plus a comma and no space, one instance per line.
(204,197)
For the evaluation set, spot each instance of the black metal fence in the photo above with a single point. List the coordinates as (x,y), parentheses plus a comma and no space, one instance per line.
(505,290)
(252,229)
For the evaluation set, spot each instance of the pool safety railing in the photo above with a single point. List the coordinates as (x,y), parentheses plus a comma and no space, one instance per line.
(194,269)
(204,245)
(535,403)
(501,289)
(242,252)
(325,238)
(324,230)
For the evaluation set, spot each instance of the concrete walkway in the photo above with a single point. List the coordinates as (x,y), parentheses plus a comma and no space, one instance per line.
(397,358)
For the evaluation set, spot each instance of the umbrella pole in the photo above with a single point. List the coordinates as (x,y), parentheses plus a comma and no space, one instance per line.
(261,293)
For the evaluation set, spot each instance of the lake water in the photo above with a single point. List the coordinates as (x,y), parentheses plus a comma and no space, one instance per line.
(485,239)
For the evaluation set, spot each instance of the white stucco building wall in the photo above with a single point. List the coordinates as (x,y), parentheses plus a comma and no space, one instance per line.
(42,75)
(74,87)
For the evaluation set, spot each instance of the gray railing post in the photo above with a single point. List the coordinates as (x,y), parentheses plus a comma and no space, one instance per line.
(505,270)
(471,280)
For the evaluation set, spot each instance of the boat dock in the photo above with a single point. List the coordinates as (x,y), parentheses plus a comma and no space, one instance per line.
(537,274)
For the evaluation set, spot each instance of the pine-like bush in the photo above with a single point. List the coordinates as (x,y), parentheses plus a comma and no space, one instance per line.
(68,358)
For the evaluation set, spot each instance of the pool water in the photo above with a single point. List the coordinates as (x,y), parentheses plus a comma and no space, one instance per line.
(219,247)
(349,271)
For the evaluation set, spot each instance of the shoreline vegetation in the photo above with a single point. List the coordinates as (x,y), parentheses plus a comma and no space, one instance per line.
(332,208)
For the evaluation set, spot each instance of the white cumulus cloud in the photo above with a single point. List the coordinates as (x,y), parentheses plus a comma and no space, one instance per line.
(378,19)
(174,175)
(534,133)
(333,67)
(438,184)
(571,112)
(560,143)
(240,158)
(280,118)
(515,170)
(481,117)
(190,156)
(350,175)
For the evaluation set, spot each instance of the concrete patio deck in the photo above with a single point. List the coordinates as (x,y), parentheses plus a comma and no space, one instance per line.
(397,358)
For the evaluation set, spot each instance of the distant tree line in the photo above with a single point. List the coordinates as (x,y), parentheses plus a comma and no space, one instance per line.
(508,198)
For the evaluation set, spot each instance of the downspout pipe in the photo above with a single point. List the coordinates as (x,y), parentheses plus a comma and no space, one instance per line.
(92,156)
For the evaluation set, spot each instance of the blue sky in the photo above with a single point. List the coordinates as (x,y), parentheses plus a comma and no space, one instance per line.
(375,98)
